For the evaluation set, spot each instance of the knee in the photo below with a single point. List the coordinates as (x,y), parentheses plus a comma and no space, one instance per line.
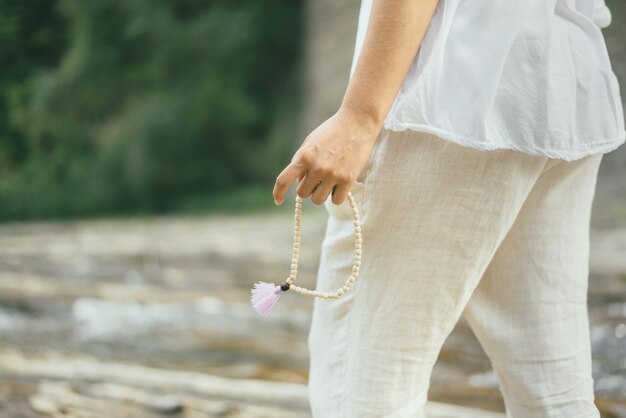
(571,399)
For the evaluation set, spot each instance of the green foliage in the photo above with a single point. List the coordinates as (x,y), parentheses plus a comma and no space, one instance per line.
(32,39)
(141,105)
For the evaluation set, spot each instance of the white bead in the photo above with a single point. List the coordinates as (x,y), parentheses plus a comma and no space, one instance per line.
(345,288)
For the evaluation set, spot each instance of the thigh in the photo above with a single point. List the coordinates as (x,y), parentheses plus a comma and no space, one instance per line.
(529,311)
(432,215)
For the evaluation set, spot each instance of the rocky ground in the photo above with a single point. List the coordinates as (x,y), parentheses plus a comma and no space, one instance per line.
(151,317)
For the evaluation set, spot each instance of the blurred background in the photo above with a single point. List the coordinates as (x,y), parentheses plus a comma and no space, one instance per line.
(139,145)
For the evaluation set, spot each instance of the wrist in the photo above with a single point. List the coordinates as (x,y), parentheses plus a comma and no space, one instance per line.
(368,121)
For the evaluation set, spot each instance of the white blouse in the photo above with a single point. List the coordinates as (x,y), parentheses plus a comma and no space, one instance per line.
(528,75)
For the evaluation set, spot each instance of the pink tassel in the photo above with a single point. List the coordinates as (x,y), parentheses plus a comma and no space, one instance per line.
(264,297)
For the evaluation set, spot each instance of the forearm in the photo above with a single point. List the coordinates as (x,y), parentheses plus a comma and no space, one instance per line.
(394,32)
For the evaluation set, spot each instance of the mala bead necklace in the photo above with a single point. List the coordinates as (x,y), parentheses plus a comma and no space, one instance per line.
(265,295)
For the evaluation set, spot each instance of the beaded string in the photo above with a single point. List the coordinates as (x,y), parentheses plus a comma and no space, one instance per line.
(265,295)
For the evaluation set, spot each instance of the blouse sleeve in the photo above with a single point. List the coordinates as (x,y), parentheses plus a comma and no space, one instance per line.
(601,14)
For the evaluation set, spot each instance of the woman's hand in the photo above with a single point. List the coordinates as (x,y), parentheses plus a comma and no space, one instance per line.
(334,153)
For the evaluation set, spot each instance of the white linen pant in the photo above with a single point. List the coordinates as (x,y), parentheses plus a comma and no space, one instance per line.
(500,237)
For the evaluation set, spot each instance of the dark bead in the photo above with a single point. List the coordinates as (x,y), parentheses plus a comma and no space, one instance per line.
(284,287)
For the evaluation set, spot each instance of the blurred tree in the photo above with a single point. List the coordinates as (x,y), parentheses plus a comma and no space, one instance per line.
(32,39)
(155,102)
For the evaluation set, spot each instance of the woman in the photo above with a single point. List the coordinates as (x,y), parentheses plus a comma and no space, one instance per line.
(470,135)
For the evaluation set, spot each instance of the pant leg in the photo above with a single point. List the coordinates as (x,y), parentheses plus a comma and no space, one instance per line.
(432,214)
(530,309)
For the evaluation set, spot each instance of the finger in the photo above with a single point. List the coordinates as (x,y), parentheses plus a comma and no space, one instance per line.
(340,193)
(307,185)
(284,180)
(321,192)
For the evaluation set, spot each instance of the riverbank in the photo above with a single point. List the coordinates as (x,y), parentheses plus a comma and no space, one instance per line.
(169,296)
